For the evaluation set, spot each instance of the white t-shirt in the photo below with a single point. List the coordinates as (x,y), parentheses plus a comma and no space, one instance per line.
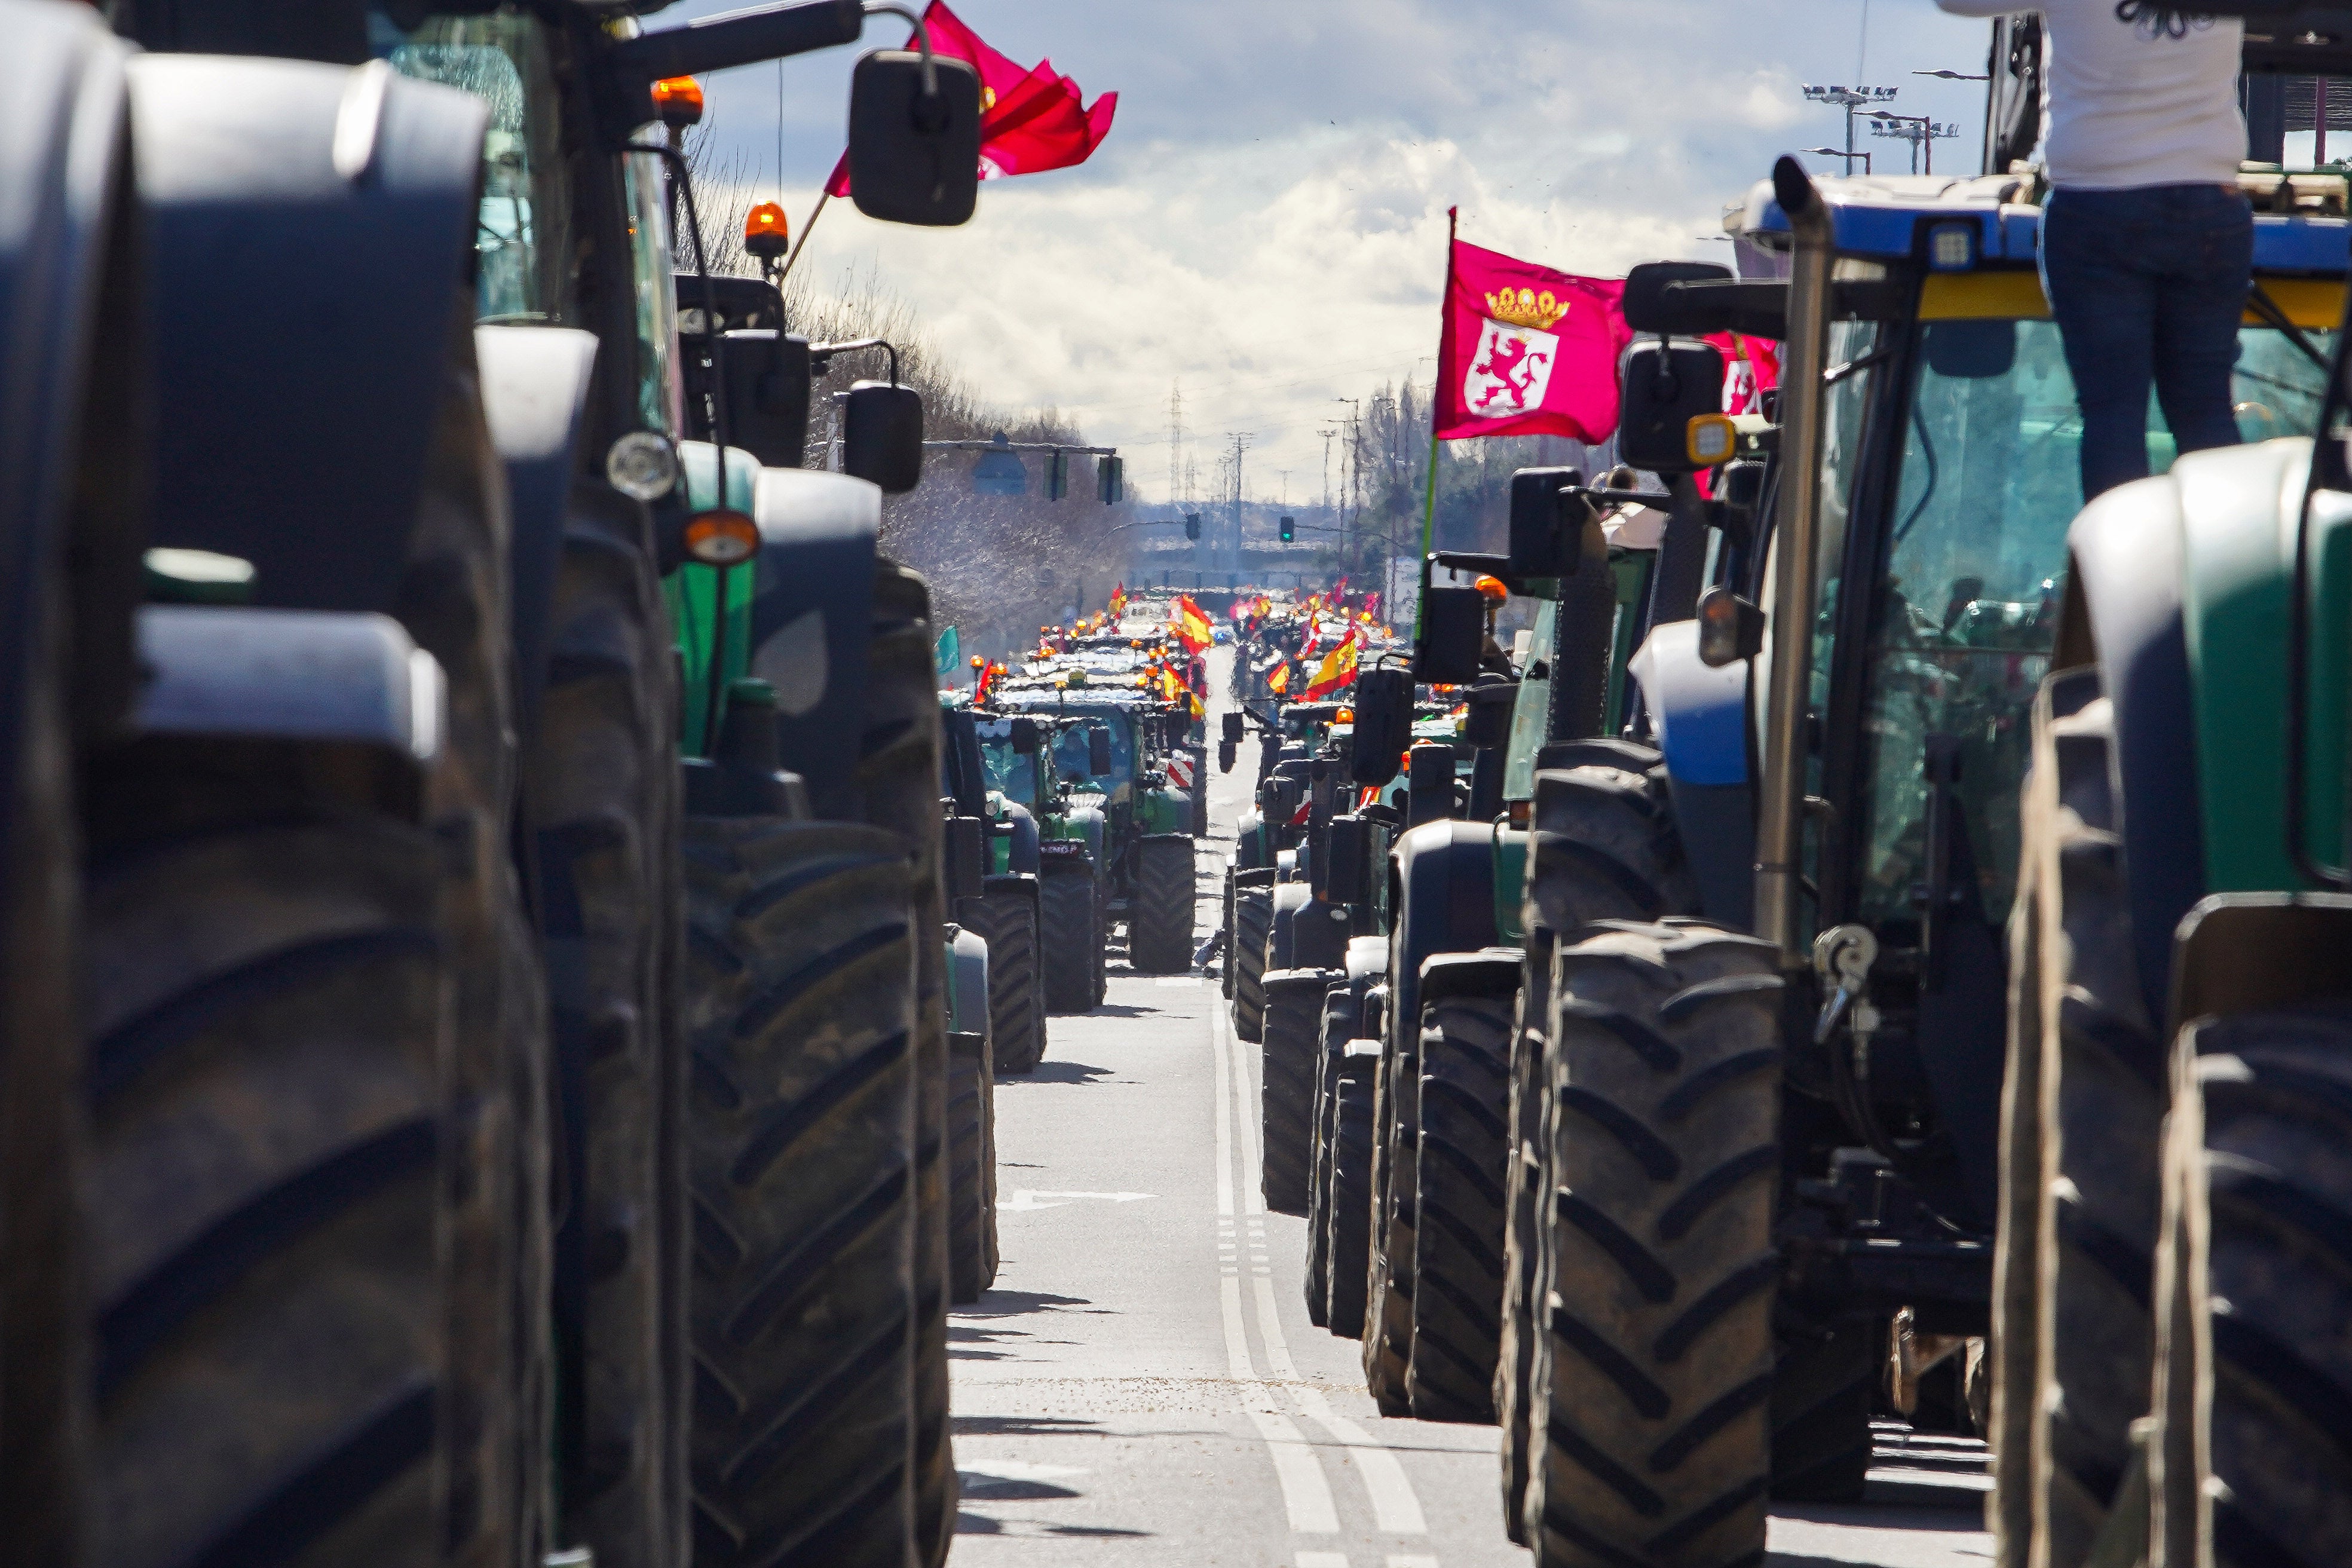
(2127,110)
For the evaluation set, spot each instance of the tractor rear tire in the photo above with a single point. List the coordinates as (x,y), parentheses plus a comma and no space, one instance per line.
(1388,1276)
(1292,1030)
(803,1017)
(2254,1446)
(1457,1269)
(1005,917)
(1351,1203)
(1524,1187)
(2102,1104)
(1656,1441)
(1159,913)
(899,772)
(601,788)
(1822,1384)
(1225,968)
(1252,918)
(1342,1011)
(1607,849)
(1072,937)
(269,1079)
(972,1169)
(45,1336)
(1199,755)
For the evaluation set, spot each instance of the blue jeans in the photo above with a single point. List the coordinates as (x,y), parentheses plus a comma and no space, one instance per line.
(2148,286)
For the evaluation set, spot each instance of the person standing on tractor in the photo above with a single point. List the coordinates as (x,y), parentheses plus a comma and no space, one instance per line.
(2147,241)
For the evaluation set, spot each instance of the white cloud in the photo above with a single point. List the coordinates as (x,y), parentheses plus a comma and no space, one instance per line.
(1268,220)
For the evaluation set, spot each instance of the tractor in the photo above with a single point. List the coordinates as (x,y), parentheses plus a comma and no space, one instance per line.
(383,852)
(1764,1063)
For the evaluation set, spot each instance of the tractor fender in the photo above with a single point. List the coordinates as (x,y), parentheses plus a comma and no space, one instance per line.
(968,982)
(2122,612)
(1249,846)
(310,254)
(69,248)
(1086,823)
(1368,957)
(812,619)
(1021,860)
(1442,896)
(534,392)
(1281,948)
(326,675)
(1492,973)
(1700,716)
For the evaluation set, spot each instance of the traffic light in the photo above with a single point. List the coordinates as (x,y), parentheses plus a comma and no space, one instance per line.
(1058,475)
(1192,525)
(1110,480)
(1290,530)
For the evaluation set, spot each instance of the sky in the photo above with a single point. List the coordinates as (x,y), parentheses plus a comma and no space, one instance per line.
(1266,225)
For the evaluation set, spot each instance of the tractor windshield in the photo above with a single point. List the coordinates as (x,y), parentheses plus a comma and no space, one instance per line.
(1070,759)
(522,242)
(1975,563)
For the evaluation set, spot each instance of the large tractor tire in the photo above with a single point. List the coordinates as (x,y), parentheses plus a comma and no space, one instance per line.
(1524,1186)
(1656,1445)
(600,788)
(455,601)
(1606,846)
(1199,755)
(971,1168)
(1225,969)
(2096,1195)
(1390,1246)
(1005,917)
(2253,1451)
(899,774)
(1072,940)
(1159,913)
(1252,918)
(1351,1202)
(1293,1034)
(1823,1381)
(1342,1010)
(1464,1148)
(269,1079)
(803,1021)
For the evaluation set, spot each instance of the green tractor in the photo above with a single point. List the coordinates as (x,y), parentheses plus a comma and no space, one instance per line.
(1111,747)
(392,1005)
(1767,1084)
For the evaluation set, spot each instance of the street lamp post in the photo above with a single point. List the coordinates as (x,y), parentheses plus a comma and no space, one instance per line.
(1919,129)
(1849,98)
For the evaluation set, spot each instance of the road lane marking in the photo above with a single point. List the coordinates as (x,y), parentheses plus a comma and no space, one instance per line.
(1322,1560)
(1306,1490)
(1396,1506)
(1397,1562)
(1253,1164)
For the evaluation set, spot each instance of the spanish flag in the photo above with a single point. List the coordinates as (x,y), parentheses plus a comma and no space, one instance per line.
(1339,668)
(1279,681)
(1193,627)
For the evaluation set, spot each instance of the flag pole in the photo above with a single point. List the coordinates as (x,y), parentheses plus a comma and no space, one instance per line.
(815,213)
(1429,506)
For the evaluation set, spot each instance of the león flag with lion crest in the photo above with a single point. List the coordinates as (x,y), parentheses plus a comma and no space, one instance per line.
(1526,351)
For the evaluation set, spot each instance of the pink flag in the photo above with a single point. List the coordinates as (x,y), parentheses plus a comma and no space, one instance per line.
(1526,351)
(1030,121)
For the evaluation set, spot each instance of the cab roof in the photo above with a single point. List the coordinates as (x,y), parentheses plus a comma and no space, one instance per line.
(1891,216)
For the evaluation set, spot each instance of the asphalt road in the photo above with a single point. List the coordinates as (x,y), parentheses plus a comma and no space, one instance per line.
(1143,1387)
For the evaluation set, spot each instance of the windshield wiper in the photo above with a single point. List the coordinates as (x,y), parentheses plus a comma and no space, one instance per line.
(2259,300)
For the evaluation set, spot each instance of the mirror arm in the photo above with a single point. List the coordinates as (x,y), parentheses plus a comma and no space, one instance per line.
(922,39)
(746,38)
(821,354)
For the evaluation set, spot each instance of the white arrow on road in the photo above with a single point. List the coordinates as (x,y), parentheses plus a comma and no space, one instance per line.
(1026,1199)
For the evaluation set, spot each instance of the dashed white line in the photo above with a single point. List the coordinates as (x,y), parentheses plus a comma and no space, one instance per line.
(1306,1490)
(1322,1560)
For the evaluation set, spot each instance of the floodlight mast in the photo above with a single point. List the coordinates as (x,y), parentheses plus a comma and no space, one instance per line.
(1848,98)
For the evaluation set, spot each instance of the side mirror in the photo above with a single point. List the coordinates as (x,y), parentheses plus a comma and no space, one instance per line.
(882,436)
(1729,628)
(1489,725)
(1236,728)
(1383,725)
(767,376)
(1453,633)
(1098,751)
(1666,386)
(1225,753)
(1348,848)
(1544,542)
(1429,782)
(914,153)
(1026,737)
(1648,308)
